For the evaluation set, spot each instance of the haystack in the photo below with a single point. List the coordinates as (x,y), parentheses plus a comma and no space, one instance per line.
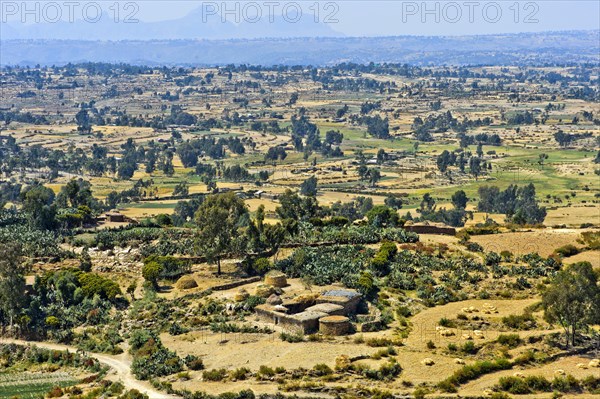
(186,283)
(241,295)
(264,290)
(276,278)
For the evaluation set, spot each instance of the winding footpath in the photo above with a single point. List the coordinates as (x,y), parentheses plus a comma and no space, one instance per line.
(120,364)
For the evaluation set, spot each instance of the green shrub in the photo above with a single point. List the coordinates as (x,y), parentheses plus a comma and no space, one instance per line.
(95,284)
(366,284)
(526,357)
(116,388)
(262,265)
(514,385)
(566,384)
(291,337)
(403,311)
(510,340)
(387,371)
(162,219)
(193,362)
(592,384)
(159,363)
(420,393)
(382,341)
(151,271)
(240,373)
(469,347)
(169,267)
(526,321)
(474,247)
(150,358)
(473,371)
(538,383)
(214,375)
(322,369)
(447,386)
(265,371)
(133,394)
(381,260)
(176,329)
(389,351)
(253,301)
(507,256)
(567,250)
(445,322)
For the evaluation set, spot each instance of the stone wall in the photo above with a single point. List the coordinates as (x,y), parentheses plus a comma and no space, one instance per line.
(421,229)
(335,325)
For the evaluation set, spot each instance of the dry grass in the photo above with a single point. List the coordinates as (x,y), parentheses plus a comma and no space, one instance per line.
(568,364)
(544,242)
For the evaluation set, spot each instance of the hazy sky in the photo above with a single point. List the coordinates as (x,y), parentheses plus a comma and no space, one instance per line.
(362,18)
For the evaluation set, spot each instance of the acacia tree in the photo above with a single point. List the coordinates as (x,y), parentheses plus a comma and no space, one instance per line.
(12,281)
(573,299)
(220,219)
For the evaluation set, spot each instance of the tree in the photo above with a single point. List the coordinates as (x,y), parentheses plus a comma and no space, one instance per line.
(378,127)
(427,203)
(85,260)
(131,289)
(381,215)
(572,299)
(293,99)
(181,189)
(381,156)
(444,160)
(563,139)
(459,199)
(12,281)
(294,207)
(220,219)
(260,218)
(475,166)
(393,202)
(75,193)
(188,155)
(517,203)
(151,272)
(542,159)
(374,176)
(275,154)
(363,171)
(309,187)
(38,205)
(126,170)
(333,137)
(167,163)
(83,121)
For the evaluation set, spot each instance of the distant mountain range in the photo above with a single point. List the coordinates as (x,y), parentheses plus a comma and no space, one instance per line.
(194,25)
(508,49)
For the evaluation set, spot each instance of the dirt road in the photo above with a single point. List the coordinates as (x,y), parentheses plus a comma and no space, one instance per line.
(120,364)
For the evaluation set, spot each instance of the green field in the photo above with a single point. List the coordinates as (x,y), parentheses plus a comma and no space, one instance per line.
(30,385)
